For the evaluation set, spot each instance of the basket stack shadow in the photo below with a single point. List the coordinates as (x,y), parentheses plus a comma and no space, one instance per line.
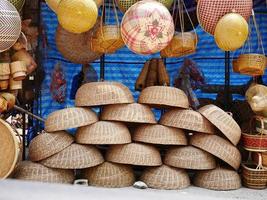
(111,148)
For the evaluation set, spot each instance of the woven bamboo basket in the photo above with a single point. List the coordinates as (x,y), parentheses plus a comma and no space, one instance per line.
(134,154)
(3,105)
(14,85)
(48,144)
(75,156)
(253,176)
(159,134)
(163,96)
(218,147)
(103,132)
(103,93)
(74,47)
(261,124)
(165,177)
(254,142)
(110,175)
(4,71)
(18,70)
(223,121)
(260,159)
(209,12)
(10,98)
(136,113)
(124,5)
(218,179)
(187,119)
(31,171)
(182,44)
(18,4)
(189,157)
(69,118)
(250,64)
(107,39)
(4,84)
(10,149)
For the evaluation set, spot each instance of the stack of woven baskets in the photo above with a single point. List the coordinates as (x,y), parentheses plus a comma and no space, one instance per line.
(134,138)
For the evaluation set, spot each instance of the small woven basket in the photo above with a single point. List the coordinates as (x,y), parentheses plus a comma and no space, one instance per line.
(69,118)
(159,134)
(48,144)
(75,156)
(4,71)
(136,113)
(18,70)
(163,96)
(110,175)
(165,177)
(103,133)
(261,124)
(14,85)
(218,147)
(103,93)
(218,179)
(4,84)
(254,142)
(187,119)
(3,105)
(134,154)
(31,171)
(260,159)
(189,158)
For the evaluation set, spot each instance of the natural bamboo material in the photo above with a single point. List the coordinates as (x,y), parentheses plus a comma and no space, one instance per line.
(254,142)
(10,98)
(152,76)
(69,118)
(18,70)
(14,85)
(189,157)
(4,84)
(18,4)
(48,144)
(3,105)
(4,71)
(140,83)
(254,176)
(110,175)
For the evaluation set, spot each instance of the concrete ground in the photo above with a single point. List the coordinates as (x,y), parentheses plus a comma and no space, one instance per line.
(19,190)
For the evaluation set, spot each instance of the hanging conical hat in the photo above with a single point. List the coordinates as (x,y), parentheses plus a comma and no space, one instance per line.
(218,179)
(163,96)
(69,118)
(133,112)
(110,175)
(165,177)
(75,156)
(103,93)
(159,134)
(134,154)
(187,119)
(189,157)
(31,171)
(219,147)
(223,121)
(103,132)
(48,144)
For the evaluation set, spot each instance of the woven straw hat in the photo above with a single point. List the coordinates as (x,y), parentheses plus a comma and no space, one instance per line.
(134,154)
(75,156)
(103,132)
(189,157)
(219,147)
(187,119)
(31,171)
(161,96)
(159,134)
(110,175)
(103,93)
(48,144)
(165,177)
(133,112)
(218,179)
(223,121)
(69,118)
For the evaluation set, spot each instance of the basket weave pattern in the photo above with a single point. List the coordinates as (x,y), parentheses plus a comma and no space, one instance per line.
(254,142)
(254,178)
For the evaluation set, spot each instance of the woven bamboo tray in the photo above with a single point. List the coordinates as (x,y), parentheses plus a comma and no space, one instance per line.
(103,132)
(163,96)
(31,171)
(218,179)
(134,154)
(110,175)
(223,121)
(4,71)
(69,118)
(165,177)
(134,112)
(219,147)
(103,93)
(187,119)
(75,156)
(48,144)
(159,134)
(254,142)
(189,157)
(253,177)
